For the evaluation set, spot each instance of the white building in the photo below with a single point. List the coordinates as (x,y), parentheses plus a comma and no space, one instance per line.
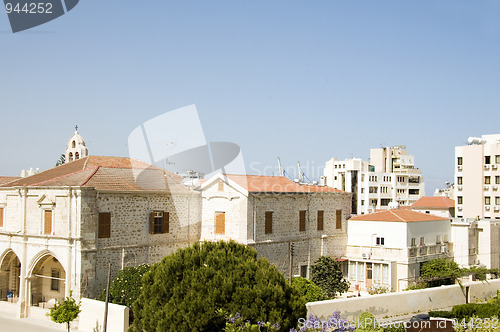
(477,178)
(386,248)
(390,176)
(437,205)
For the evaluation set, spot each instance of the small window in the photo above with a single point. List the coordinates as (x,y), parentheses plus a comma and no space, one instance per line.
(268,222)
(54,282)
(1,216)
(459,180)
(220,222)
(380,241)
(422,241)
(413,243)
(320,220)
(362,202)
(497,179)
(77,156)
(159,222)
(47,222)
(221,186)
(73,144)
(70,156)
(338,219)
(497,159)
(487,200)
(497,200)
(302,220)
(438,239)
(460,200)
(104,225)
(303,271)
(487,180)
(487,160)
(460,160)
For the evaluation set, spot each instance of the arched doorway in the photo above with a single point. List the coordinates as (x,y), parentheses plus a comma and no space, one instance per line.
(10,270)
(47,282)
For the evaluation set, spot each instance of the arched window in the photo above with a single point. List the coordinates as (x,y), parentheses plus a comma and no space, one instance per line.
(70,156)
(73,144)
(77,156)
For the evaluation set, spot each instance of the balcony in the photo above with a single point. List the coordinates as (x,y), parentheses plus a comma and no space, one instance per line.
(424,250)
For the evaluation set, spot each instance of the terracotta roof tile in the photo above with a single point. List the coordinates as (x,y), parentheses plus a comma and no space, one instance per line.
(434,202)
(104,173)
(398,215)
(260,183)
(7,179)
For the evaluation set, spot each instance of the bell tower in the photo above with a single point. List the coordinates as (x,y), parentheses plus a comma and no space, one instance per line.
(76,148)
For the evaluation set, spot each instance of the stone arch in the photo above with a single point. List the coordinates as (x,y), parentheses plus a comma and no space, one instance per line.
(10,271)
(47,279)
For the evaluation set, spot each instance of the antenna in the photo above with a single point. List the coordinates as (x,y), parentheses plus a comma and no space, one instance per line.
(280,168)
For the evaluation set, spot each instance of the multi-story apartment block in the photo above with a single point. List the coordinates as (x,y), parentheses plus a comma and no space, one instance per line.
(391,177)
(477,178)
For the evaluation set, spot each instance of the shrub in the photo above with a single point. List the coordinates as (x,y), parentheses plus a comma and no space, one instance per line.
(188,290)
(308,289)
(65,312)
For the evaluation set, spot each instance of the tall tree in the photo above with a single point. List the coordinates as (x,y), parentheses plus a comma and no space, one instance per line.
(327,274)
(194,288)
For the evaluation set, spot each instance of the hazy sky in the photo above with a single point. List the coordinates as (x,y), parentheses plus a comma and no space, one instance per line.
(303,80)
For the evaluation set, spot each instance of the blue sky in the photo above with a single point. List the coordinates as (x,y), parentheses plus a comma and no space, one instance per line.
(303,80)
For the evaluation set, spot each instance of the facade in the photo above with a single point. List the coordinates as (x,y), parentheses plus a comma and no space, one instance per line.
(60,229)
(390,176)
(386,248)
(477,178)
(437,205)
(268,213)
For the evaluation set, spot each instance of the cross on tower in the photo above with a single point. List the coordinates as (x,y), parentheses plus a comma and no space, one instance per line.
(76,127)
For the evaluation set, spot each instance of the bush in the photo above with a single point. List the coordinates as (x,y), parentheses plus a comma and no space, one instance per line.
(480,310)
(366,322)
(308,289)
(378,290)
(127,286)
(188,290)
(326,273)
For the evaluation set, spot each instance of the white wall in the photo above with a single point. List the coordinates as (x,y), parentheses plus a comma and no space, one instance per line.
(360,233)
(92,316)
(429,230)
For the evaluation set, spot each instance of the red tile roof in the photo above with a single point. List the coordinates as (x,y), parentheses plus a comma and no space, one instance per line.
(399,215)
(7,179)
(104,173)
(434,202)
(261,183)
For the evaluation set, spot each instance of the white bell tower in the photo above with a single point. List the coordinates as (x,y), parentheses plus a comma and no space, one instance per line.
(76,148)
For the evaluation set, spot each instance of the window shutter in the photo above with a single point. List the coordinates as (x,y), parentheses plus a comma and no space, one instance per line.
(104,225)
(320,220)
(220,223)
(165,227)
(268,229)
(152,223)
(47,227)
(338,223)
(302,220)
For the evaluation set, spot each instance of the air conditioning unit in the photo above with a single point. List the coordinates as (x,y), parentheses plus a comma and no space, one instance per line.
(495,187)
(444,249)
(486,166)
(486,187)
(365,255)
(487,208)
(459,167)
(459,188)
(477,262)
(493,166)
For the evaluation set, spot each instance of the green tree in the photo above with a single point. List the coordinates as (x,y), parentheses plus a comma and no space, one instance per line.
(440,271)
(308,289)
(65,312)
(327,274)
(188,290)
(127,286)
(62,160)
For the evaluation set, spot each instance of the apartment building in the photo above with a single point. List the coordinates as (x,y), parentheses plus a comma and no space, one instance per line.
(390,176)
(477,178)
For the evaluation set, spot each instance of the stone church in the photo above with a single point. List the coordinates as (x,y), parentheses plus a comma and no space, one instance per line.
(59,229)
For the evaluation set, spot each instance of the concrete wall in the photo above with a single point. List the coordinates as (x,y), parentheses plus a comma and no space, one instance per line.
(402,303)
(91,318)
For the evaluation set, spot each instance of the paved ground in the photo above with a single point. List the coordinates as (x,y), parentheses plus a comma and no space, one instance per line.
(12,324)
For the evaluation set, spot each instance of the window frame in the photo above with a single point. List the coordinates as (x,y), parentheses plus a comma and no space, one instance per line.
(218,229)
(302,220)
(159,228)
(321,220)
(44,222)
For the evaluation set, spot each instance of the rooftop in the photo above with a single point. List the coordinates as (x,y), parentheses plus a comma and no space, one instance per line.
(398,215)
(434,202)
